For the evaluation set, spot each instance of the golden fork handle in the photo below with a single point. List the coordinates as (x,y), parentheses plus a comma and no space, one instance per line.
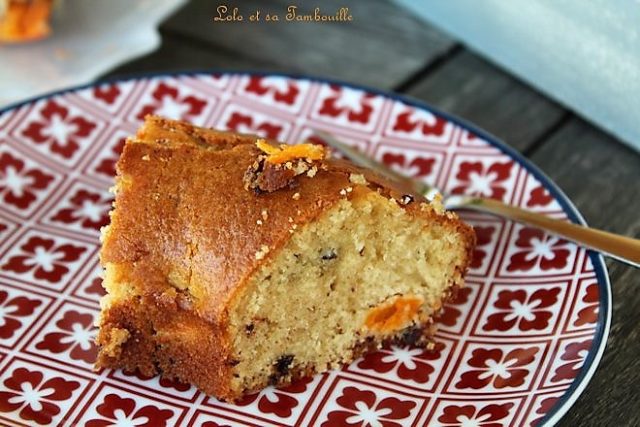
(622,248)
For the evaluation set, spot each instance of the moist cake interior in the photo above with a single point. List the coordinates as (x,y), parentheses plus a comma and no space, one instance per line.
(317,301)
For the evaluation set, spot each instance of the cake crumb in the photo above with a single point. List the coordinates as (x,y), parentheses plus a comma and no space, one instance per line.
(290,219)
(437,203)
(259,222)
(357,178)
(349,189)
(117,337)
(296,196)
(265,214)
(312,172)
(146,158)
(434,205)
(301,167)
(264,250)
(343,192)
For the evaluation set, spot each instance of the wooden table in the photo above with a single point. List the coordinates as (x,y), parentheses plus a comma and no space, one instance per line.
(387,48)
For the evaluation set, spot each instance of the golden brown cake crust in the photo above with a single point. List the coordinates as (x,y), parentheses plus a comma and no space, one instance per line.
(187,237)
(167,340)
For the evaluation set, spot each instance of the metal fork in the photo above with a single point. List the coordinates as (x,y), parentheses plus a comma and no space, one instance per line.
(622,248)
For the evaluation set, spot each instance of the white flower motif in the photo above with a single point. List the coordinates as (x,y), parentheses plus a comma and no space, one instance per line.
(350,100)
(4,313)
(481,184)
(275,84)
(171,108)
(424,117)
(541,248)
(368,416)
(122,420)
(500,369)
(92,210)
(30,396)
(403,356)
(521,310)
(15,182)
(44,259)
(472,422)
(582,355)
(270,394)
(58,129)
(80,335)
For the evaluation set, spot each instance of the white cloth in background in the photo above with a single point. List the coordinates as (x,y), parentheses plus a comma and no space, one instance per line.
(585,54)
(89,37)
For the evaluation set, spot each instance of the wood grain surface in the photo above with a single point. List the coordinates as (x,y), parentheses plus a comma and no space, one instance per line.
(387,48)
(380,48)
(602,178)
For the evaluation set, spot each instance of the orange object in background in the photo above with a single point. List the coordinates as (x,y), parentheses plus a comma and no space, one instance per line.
(24,20)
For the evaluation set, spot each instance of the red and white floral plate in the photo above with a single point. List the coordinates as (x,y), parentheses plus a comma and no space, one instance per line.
(516,348)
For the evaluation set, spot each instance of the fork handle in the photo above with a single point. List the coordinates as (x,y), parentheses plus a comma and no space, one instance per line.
(620,247)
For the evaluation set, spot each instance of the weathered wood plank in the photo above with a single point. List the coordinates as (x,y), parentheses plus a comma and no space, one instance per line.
(472,88)
(602,176)
(381,47)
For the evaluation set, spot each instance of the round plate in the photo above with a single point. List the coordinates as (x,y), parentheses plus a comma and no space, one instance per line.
(516,347)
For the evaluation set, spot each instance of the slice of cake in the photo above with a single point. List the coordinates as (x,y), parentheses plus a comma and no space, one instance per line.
(234,263)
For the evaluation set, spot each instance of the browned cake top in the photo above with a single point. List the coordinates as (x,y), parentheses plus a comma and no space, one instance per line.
(182,213)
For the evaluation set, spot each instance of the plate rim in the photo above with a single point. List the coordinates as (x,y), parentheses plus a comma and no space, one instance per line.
(591,362)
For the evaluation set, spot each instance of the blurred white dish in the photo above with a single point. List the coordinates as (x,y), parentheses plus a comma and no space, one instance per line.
(89,37)
(583,54)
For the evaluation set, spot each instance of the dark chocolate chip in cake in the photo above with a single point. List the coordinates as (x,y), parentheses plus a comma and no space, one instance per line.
(330,254)
(283,363)
(264,177)
(411,335)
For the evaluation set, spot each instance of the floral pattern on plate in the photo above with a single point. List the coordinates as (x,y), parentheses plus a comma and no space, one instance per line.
(528,326)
